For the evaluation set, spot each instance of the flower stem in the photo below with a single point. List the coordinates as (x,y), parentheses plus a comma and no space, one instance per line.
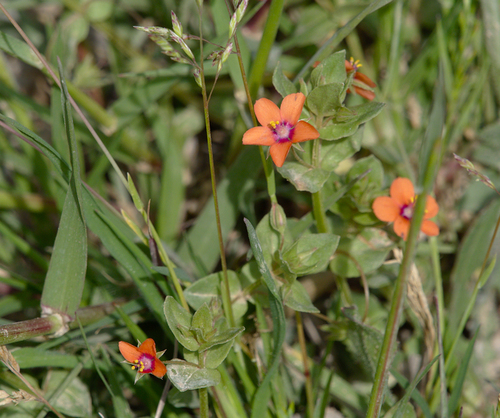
(226,295)
(203,392)
(319,214)
(318,211)
(307,373)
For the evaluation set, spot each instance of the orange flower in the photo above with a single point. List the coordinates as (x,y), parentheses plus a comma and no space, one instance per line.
(143,358)
(280,127)
(362,84)
(399,209)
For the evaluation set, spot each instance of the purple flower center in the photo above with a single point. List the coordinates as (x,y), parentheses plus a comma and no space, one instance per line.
(145,364)
(407,211)
(282,130)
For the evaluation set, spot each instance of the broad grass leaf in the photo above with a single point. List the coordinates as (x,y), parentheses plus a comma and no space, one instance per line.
(63,287)
(75,400)
(469,259)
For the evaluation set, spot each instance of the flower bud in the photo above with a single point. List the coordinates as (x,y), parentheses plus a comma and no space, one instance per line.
(278,218)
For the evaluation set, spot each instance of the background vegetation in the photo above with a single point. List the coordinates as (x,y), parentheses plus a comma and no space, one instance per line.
(436,65)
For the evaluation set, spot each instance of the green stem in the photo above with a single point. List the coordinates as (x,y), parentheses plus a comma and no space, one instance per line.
(388,345)
(270,178)
(307,373)
(319,214)
(23,330)
(203,392)
(226,295)
(318,211)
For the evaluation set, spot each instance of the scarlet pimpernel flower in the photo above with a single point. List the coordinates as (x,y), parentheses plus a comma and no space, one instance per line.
(362,84)
(280,126)
(399,207)
(144,358)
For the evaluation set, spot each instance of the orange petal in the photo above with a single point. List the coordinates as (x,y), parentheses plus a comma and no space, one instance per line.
(348,66)
(148,347)
(431,208)
(402,191)
(429,228)
(304,132)
(367,94)
(291,108)
(260,135)
(365,79)
(385,208)
(129,352)
(279,152)
(266,112)
(401,227)
(159,369)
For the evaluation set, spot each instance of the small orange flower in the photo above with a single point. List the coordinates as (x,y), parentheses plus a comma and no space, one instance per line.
(399,209)
(280,127)
(362,84)
(143,358)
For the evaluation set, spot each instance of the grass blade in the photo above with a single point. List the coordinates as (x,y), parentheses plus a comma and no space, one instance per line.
(462,371)
(62,291)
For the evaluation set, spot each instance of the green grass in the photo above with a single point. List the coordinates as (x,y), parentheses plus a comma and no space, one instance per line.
(109,201)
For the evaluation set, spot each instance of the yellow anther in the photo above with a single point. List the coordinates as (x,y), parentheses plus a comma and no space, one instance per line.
(136,361)
(133,367)
(274,124)
(356,64)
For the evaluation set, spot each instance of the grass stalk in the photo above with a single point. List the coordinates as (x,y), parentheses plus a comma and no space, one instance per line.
(268,169)
(226,295)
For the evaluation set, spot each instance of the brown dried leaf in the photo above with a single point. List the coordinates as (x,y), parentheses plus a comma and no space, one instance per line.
(8,359)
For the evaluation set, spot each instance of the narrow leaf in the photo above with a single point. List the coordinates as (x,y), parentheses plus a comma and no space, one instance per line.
(460,378)
(63,287)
